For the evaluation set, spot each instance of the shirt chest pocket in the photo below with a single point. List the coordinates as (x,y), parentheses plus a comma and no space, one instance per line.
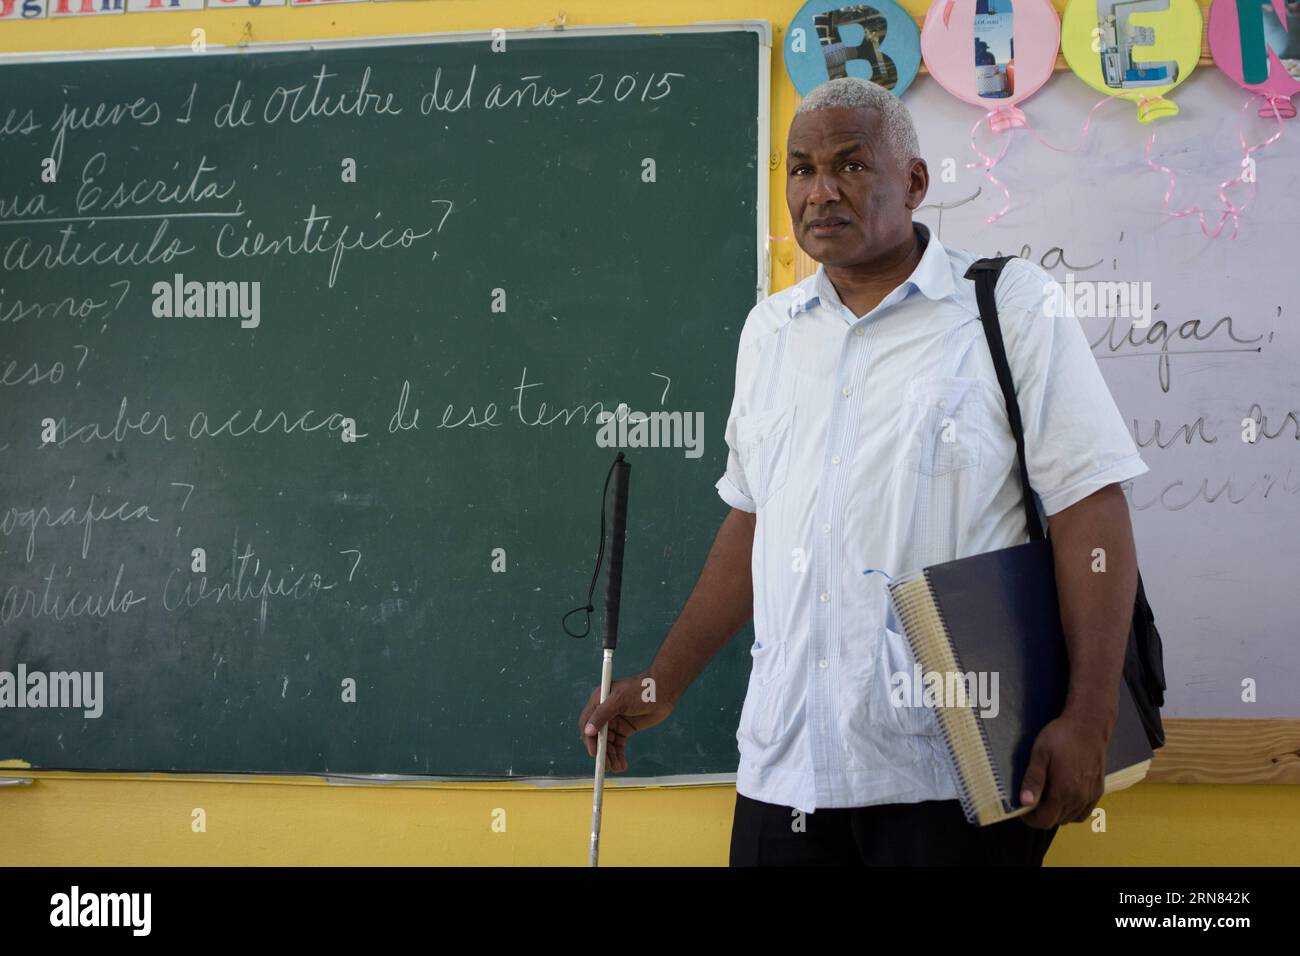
(943,426)
(763,444)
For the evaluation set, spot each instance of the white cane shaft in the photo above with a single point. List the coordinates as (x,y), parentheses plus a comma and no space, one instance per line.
(598,794)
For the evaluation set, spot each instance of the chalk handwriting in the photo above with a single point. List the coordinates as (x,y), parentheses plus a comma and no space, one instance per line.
(122,426)
(19,124)
(35,603)
(315,238)
(286,102)
(29,373)
(1159,334)
(191,191)
(245,582)
(1178,495)
(31,519)
(23,254)
(1257,413)
(140,111)
(1188,432)
(1053,258)
(588,412)
(73,307)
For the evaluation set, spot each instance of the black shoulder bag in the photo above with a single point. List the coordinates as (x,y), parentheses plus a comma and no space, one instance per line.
(1144,669)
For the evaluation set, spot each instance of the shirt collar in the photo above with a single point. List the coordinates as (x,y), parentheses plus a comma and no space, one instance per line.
(932,277)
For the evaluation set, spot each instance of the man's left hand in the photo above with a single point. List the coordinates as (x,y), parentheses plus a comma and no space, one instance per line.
(1067,772)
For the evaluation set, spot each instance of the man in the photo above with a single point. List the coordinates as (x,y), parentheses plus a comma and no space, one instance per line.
(868,438)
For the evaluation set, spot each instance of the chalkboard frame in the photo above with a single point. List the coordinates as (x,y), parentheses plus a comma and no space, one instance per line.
(14,772)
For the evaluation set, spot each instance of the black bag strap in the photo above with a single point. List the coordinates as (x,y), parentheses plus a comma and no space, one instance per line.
(1144,657)
(985,272)
(1144,666)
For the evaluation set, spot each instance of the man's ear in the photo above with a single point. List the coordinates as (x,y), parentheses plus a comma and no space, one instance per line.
(918,183)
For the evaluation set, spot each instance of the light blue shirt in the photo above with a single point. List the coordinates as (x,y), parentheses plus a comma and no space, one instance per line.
(881,444)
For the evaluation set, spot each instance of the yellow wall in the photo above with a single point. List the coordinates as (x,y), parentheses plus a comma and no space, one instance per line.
(148,822)
(67,819)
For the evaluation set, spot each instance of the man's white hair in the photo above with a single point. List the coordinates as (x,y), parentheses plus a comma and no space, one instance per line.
(851,92)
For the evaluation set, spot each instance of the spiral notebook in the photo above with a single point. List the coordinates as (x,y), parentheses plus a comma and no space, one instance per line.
(997,613)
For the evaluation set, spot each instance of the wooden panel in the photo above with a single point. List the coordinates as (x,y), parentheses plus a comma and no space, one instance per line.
(1228,751)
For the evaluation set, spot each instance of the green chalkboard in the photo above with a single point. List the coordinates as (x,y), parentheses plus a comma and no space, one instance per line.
(386,448)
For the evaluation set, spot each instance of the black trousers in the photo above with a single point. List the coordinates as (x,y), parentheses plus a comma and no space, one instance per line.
(931,833)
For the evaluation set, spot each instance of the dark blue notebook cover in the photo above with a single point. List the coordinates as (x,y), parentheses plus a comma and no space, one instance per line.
(1002,615)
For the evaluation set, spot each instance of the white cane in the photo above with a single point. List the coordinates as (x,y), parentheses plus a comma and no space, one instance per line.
(613,590)
(598,796)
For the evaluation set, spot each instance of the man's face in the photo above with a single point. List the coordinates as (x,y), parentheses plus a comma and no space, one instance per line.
(850,197)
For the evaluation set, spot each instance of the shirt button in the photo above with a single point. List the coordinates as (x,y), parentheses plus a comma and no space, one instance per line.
(826,528)
(858,331)
(823,664)
(846,390)
(825,597)
(835,459)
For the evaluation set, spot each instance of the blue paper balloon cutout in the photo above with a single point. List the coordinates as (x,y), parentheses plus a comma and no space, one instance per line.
(876,41)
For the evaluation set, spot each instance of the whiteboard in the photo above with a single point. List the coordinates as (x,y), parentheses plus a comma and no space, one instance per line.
(1217,519)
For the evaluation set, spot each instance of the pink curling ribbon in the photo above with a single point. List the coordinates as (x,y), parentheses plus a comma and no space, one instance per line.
(1275,104)
(1083,133)
(1271,108)
(1000,120)
(1003,119)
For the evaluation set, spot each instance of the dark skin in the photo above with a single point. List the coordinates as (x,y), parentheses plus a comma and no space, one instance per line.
(840,168)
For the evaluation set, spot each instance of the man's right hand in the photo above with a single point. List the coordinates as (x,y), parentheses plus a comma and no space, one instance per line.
(719,605)
(626,711)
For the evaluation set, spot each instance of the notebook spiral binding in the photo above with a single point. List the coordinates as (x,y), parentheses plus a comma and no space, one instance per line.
(982,793)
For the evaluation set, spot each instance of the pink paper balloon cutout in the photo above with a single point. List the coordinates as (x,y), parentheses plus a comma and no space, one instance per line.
(949,50)
(1225,47)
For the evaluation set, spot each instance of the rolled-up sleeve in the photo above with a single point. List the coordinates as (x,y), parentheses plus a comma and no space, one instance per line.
(1076,441)
(732,487)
